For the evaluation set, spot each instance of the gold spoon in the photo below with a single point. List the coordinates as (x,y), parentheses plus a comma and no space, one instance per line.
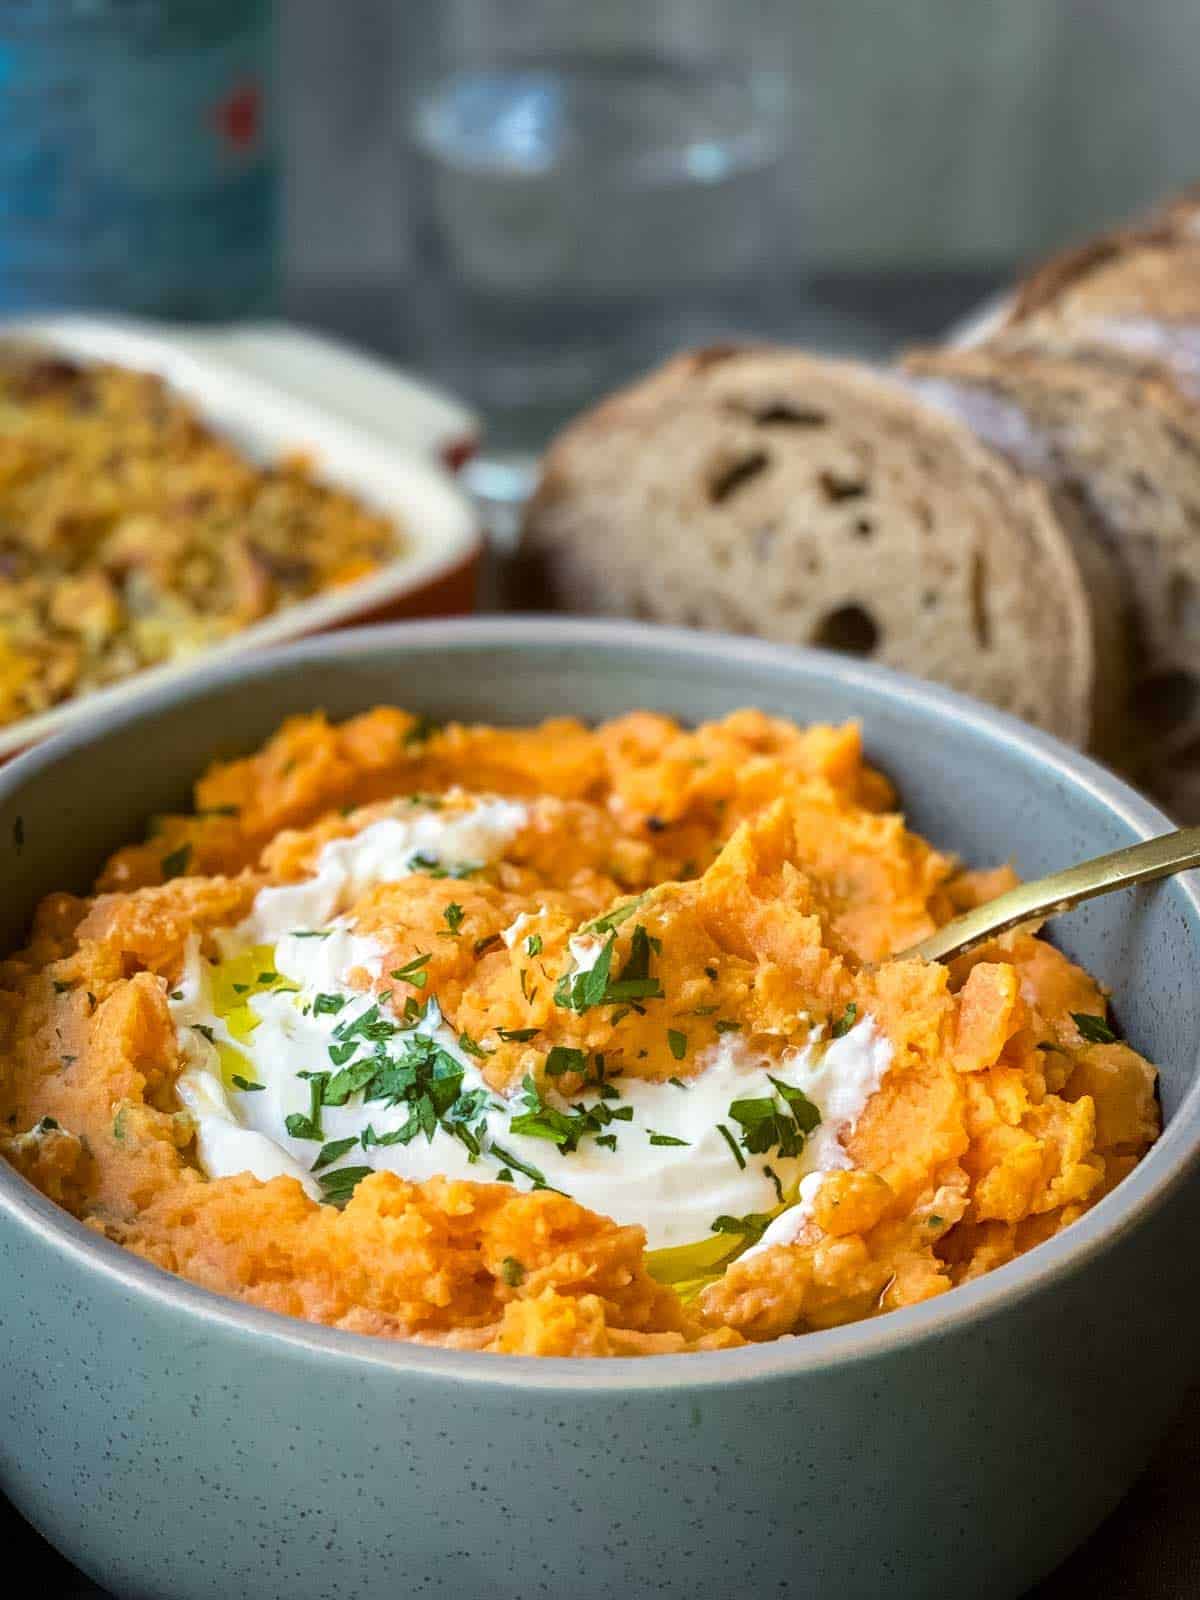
(1047,897)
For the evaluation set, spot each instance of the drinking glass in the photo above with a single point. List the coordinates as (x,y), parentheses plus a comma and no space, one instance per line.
(597,184)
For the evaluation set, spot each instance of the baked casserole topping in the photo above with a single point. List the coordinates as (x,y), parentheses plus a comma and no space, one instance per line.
(131,534)
(557,1041)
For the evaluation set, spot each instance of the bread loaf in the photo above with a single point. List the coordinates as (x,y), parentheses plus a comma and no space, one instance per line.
(1126,448)
(819,503)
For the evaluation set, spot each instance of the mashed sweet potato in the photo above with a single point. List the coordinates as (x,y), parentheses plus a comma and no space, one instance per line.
(761,880)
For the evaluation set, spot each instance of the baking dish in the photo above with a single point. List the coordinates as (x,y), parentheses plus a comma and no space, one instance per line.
(434,573)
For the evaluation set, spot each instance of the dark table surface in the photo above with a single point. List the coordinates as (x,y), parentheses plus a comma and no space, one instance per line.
(1149,1549)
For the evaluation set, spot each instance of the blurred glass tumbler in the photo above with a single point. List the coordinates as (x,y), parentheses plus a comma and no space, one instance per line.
(599,187)
(137,165)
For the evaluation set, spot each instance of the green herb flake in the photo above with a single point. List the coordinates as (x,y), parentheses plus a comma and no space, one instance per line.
(175,864)
(563,1059)
(246,1085)
(203,1029)
(482,946)
(677,1042)
(453,915)
(518,1035)
(666,1138)
(766,1124)
(723,1026)
(608,1140)
(301,1126)
(330,1152)
(614,919)
(732,1143)
(751,1227)
(338,1186)
(678,1082)
(512,1164)
(533,945)
(414,971)
(845,1022)
(422,730)
(1092,1028)
(310,933)
(512,1272)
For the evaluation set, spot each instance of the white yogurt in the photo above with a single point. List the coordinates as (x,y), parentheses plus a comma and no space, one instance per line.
(840,1081)
(383,852)
(675,1191)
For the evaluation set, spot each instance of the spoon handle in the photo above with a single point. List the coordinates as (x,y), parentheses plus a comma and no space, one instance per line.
(1046,897)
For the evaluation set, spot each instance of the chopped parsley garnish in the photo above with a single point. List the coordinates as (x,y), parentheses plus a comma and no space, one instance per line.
(512,1164)
(512,1271)
(482,946)
(580,991)
(732,1143)
(678,1082)
(175,864)
(751,1227)
(765,1123)
(310,933)
(1094,1029)
(414,971)
(665,1138)
(434,867)
(338,1186)
(769,1172)
(934,1221)
(562,1059)
(533,945)
(330,1152)
(565,1129)
(608,1140)
(203,1029)
(677,1042)
(246,1085)
(469,1047)
(845,1022)
(614,919)
(327,1005)
(453,915)
(518,1035)
(297,1123)
(419,1075)
(422,730)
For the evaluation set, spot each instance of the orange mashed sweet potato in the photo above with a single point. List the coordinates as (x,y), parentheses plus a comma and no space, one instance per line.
(776,882)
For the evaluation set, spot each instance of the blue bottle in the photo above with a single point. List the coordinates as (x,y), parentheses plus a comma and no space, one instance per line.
(138,165)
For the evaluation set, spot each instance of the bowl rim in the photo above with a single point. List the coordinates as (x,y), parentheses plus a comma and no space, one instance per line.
(1169,1163)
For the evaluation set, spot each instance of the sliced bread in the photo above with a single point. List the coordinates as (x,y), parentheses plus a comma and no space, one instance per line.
(1126,448)
(816,502)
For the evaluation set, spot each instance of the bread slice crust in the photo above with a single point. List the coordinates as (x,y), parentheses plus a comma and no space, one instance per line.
(818,502)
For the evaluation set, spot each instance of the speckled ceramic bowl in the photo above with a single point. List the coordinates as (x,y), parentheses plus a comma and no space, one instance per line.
(176,1444)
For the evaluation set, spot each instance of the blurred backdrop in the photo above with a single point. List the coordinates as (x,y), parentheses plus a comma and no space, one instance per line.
(923,149)
(531,199)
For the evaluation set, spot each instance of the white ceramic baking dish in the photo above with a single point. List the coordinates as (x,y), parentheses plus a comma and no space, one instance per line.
(433,575)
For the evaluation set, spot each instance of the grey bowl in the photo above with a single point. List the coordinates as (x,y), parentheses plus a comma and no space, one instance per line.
(173,1443)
